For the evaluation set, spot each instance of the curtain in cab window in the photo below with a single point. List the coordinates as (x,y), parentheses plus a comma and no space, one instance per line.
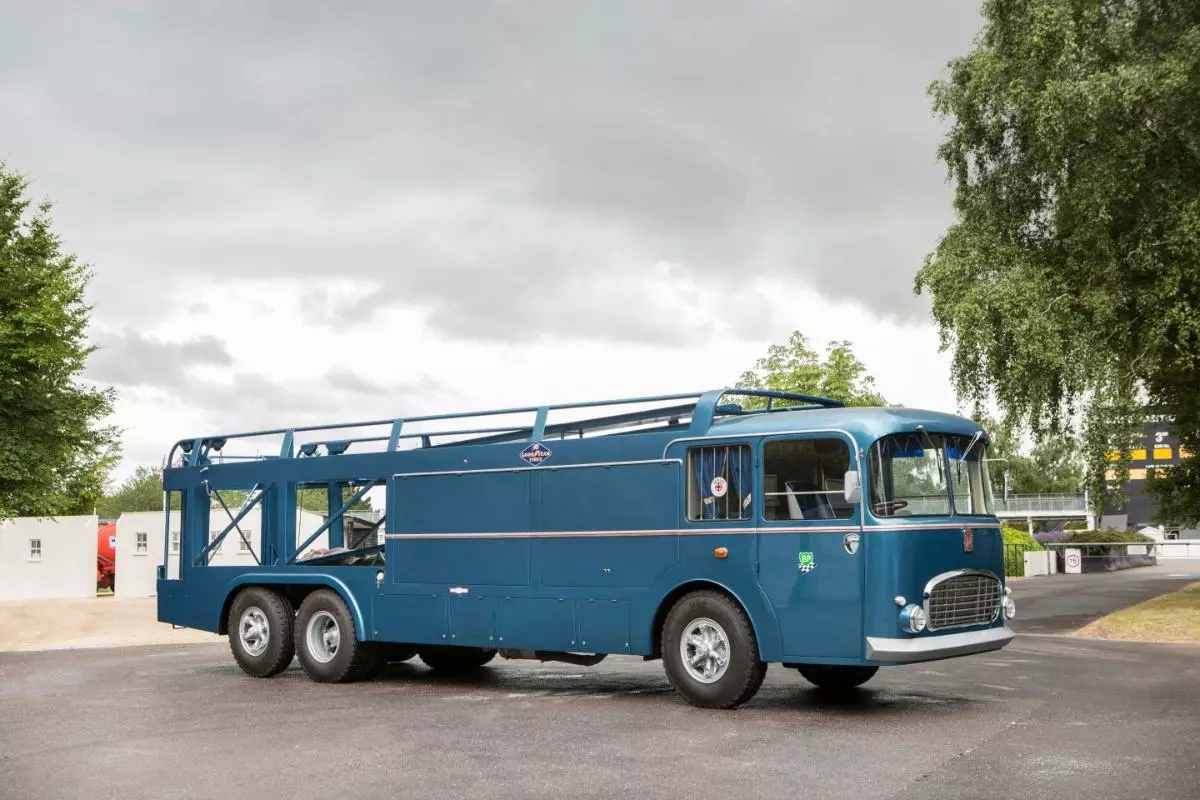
(719,483)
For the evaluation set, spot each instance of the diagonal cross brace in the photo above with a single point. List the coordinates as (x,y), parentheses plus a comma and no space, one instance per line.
(374,527)
(325,526)
(251,501)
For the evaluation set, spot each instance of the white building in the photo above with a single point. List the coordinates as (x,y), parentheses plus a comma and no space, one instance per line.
(44,558)
(140,540)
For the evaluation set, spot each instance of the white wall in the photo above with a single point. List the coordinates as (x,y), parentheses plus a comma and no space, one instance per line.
(67,567)
(137,568)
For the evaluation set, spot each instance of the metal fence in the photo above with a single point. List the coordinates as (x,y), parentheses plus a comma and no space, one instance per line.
(1014,560)
(1178,548)
(1042,503)
(1172,548)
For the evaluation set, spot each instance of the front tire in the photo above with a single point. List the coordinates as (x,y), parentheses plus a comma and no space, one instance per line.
(836,678)
(259,625)
(326,644)
(710,652)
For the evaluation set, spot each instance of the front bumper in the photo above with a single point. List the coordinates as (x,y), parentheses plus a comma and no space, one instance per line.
(931,648)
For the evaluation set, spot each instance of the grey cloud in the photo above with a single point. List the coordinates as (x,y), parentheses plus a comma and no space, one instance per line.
(349,381)
(466,157)
(130,359)
(248,402)
(251,401)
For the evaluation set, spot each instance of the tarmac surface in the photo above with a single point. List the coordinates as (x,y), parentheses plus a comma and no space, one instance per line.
(1064,603)
(1049,716)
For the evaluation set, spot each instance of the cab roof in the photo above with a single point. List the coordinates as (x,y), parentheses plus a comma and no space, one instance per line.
(864,423)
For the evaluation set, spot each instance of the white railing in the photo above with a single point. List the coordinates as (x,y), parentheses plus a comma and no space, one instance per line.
(1170,548)
(1042,503)
(1177,548)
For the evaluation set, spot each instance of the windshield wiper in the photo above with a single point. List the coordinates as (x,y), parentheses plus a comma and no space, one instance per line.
(974,440)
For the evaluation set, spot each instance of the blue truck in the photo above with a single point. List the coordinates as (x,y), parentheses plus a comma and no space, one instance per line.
(719,531)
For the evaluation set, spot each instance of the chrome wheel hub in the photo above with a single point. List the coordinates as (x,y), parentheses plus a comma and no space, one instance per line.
(704,649)
(324,636)
(254,631)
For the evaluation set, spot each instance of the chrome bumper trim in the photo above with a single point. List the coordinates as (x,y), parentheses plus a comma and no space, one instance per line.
(929,648)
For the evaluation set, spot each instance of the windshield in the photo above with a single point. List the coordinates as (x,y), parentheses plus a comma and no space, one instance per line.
(969,477)
(915,474)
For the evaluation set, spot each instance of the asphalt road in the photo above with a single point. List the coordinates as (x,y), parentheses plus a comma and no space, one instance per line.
(1064,603)
(1049,716)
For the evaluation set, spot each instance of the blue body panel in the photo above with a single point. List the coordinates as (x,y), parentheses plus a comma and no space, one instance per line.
(528,542)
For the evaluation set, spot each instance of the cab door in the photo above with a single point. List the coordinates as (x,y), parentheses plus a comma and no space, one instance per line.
(810,551)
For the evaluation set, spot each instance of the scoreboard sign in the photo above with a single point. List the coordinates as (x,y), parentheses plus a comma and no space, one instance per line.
(1159,449)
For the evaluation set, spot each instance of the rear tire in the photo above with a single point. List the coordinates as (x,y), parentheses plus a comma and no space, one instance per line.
(326,645)
(375,663)
(709,651)
(259,625)
(453,660)
(836,678)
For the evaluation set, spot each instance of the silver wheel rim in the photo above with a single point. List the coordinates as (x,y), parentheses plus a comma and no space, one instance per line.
(704,648)
(254,631)
(324,636)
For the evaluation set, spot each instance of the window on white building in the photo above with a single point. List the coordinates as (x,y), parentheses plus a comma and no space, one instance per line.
(141,544)
(35,549)
(244,543)
(174,541)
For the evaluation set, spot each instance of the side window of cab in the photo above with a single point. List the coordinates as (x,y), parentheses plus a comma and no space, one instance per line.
(804,479)
(719,483)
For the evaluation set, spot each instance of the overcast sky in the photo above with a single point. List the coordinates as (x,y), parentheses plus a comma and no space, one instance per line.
(310,212)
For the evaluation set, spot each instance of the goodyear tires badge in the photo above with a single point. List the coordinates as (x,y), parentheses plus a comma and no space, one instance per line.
(535,454)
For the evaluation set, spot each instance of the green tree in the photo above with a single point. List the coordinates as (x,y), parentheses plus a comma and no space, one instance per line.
(795,367)
(141,491)
(1068,288)
(314,499)
(1052,466)
(54,452)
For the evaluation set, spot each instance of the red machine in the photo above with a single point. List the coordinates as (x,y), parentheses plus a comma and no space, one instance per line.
(106,556)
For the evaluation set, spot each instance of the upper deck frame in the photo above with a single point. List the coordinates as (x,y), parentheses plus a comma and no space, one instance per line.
(703,408)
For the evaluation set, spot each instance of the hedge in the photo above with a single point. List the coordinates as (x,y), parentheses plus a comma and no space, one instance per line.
(1109,536)
(1020,536)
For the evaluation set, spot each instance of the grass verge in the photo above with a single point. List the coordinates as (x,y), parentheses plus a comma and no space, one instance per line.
(1173,617)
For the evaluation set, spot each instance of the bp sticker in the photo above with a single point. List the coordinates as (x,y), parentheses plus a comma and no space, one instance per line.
(807,563)
(719,486)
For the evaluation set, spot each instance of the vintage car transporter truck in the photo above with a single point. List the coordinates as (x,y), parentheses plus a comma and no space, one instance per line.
(720,531)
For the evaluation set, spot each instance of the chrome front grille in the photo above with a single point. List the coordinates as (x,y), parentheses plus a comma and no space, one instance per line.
(963,597)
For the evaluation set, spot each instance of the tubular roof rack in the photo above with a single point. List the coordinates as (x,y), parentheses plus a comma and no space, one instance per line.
(702,407)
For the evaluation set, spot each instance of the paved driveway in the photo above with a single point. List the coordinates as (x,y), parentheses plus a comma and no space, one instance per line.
(1050,716)
(1063,603)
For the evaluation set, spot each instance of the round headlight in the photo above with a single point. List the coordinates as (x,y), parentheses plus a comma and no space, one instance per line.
(1010,608)
(912,618)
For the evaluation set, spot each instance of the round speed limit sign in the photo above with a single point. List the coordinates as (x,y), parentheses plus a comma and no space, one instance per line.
(1072,560)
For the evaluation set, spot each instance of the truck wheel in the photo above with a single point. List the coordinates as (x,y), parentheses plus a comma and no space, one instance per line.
(836,677)
(454,660)
(709,651)
(260,631)
(326,645)
(375,663)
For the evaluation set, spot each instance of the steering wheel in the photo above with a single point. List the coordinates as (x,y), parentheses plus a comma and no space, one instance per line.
(885,508)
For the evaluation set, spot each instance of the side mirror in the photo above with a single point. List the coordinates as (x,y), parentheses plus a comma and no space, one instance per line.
(851,487)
